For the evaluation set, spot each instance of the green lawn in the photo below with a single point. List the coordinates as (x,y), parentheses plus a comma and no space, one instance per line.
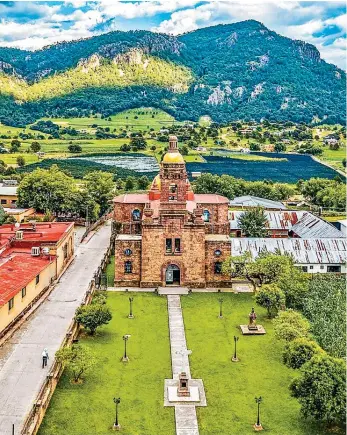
(88,409)
(110,272)
(231,387)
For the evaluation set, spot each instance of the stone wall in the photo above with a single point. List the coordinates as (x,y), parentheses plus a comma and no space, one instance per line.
(213,279)
(122,279)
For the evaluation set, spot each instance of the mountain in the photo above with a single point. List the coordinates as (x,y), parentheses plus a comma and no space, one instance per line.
(229,72)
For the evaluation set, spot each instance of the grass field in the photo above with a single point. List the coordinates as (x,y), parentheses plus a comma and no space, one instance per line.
(231,387)
(88,409)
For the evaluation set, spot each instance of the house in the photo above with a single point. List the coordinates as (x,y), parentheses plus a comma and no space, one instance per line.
(170,235)
(317,255)
(249,201)
(19,214)
(32,256)
(8,195)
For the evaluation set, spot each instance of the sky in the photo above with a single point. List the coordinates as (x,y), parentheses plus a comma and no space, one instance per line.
(32,25)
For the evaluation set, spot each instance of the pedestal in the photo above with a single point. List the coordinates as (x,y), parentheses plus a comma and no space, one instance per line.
(125,359)
(246,331)
(131,316)
(116,427)
(257,427)
(233,359)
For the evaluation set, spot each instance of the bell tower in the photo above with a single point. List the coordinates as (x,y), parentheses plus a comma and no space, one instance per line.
(173,175)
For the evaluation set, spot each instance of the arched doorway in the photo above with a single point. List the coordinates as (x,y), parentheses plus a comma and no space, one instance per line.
(172,275)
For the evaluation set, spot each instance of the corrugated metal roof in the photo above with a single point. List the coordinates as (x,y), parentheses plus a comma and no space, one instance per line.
(304,251)
(8,190)
(310,227)
(303,223)
(255,201)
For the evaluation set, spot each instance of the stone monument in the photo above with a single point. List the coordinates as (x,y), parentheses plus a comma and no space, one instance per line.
(252,328)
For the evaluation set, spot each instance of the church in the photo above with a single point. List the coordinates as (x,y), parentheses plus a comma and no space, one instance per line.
(171,236)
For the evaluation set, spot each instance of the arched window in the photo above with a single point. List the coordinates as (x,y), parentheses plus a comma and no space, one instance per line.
(206,216)
(218,267)
(128,267)
(136,214)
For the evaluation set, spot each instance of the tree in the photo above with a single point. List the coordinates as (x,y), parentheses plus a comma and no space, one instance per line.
(254,147)
(93,316)
(325,307)
(15,145)
(75,148)
(20,161)
(100,186)
(253,223)
(290,324)
(47,190)
(129,183)
(299,351)
(35,147)
(2,215)
(321,389)
(138,143)
(79,359)
(294,284)
(271,297)
(184,150)
(142,182)
(280,147)
(125,147)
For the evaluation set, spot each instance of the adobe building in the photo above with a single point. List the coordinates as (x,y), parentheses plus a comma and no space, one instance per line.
(170,236)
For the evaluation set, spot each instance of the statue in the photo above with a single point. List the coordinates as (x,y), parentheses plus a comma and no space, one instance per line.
(252,320)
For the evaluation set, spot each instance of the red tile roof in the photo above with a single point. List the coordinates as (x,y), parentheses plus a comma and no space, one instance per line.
(17,269)
(132,198)
(210,198)
(44,232)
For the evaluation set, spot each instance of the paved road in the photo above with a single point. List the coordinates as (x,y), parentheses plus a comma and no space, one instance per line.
(21,375)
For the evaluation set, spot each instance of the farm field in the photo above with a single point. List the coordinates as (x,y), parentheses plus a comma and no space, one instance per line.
(231,387)
(138,383)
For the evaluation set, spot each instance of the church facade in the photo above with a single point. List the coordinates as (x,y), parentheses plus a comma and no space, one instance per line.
(171,236)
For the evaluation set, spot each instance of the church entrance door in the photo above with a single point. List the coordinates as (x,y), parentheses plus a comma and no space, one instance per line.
(172,275)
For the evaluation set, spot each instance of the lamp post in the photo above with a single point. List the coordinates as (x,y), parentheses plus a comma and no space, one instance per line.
(131,316)
(234,358)
(125,356)
(258,425)
(116,425)
(220,300)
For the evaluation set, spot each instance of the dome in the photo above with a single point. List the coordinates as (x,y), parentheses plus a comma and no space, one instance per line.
(171,157)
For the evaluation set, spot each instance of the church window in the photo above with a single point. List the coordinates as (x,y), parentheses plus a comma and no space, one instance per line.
(177,245)
(218,267)
(217,252)
(136,215)
(128,252)
(206,216)
(128,267)
(168,245)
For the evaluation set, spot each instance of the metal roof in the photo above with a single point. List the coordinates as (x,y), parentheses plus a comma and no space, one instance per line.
(304,224)
(304,251)
(255,201)
(8,190)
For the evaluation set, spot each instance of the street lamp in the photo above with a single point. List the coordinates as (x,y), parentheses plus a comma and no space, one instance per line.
(220,308)
(258,425)
(116,425)
(131,316)
(125,356)
(234,358)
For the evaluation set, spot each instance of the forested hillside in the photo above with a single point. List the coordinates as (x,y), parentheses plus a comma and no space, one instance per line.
(236,71)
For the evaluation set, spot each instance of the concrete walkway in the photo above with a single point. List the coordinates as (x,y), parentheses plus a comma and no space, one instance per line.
(21,375)
(185,415)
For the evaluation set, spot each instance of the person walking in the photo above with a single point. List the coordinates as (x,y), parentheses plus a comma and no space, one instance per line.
(44,358)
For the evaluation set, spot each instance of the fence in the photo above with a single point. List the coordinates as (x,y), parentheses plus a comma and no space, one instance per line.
(35,417)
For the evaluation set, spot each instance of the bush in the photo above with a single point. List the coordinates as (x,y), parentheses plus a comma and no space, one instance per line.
(271,297)
(92,316)
(77,358)
(290,324)
(321,389)
(75,148)
(299,351)
(99,298)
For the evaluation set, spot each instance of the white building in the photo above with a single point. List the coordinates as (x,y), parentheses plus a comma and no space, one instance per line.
(312,255)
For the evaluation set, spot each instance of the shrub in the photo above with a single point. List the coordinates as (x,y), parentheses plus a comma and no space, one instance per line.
(321,389)
(290,324)
(99,298)
(92,316)
(77,358)
(271,297)
(299,351)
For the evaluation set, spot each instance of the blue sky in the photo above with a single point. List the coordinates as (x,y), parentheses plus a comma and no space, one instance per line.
(34,24)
